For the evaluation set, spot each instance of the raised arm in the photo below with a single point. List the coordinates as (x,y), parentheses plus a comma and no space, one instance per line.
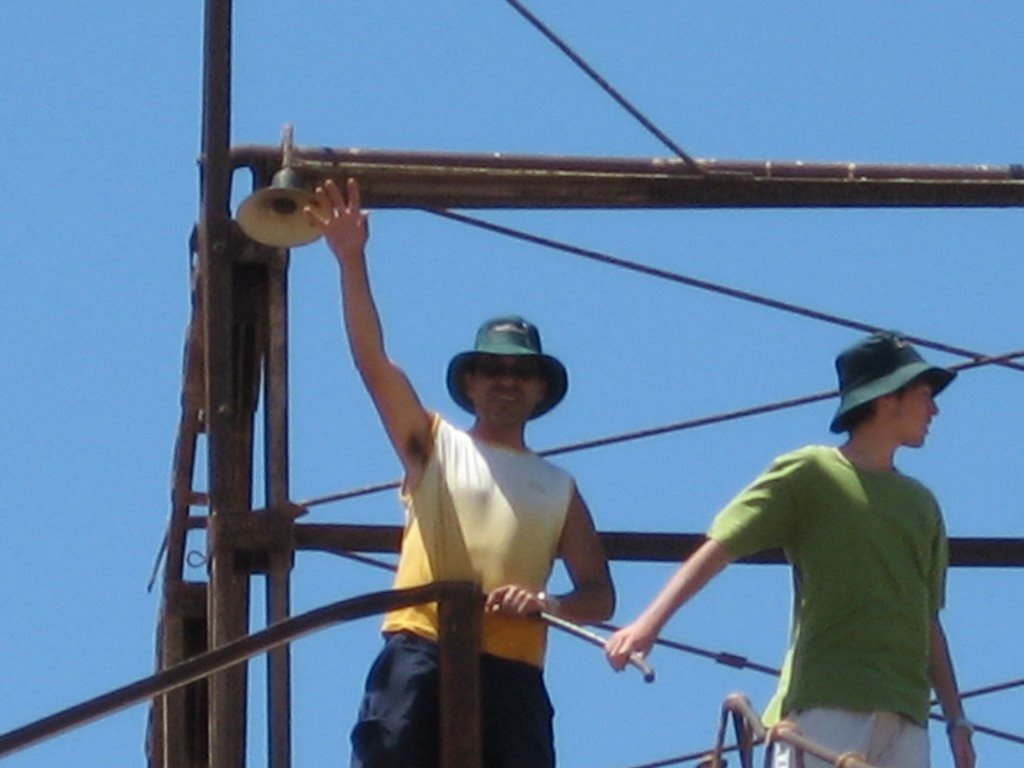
(346,228)
(943,679)
(638,637)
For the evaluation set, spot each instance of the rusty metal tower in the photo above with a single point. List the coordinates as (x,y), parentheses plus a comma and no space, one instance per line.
(237,352)
(236,357)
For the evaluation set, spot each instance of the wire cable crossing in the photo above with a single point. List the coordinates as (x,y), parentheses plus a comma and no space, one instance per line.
(607,87)
(707,285)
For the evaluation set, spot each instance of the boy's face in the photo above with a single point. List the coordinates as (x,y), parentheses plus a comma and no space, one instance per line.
(910,412)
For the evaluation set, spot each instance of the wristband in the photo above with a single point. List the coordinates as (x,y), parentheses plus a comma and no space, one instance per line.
(550,603)
(959,722)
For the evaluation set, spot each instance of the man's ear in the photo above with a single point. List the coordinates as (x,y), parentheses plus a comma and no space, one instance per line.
(467,379)
(545,387)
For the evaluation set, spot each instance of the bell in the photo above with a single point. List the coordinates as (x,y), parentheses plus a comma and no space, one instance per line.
(274,216)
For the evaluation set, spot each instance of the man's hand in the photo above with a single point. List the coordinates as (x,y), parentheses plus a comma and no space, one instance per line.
(514,600)
(340,218)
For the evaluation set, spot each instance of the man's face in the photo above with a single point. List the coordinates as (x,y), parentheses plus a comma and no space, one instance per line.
(911,412)
(508,387)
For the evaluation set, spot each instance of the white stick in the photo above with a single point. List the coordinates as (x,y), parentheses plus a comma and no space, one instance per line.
(635,659)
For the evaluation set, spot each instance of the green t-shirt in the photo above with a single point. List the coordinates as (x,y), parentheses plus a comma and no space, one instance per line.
(869,558)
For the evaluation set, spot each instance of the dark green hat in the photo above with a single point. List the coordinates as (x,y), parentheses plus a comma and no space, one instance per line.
(509,335)
(879,365)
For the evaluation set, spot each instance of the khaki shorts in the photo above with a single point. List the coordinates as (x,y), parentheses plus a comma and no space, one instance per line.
(885,739)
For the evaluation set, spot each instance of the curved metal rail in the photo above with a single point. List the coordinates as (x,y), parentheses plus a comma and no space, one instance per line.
(750,731)
(221,658)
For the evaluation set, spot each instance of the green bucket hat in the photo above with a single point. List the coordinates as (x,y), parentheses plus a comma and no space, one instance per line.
(879,365)
(508,335)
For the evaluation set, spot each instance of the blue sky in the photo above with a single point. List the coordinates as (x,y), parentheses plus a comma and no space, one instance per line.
(102,109)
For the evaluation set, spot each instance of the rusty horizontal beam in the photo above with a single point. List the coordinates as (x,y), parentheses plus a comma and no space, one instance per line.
(645,547)
(404,179)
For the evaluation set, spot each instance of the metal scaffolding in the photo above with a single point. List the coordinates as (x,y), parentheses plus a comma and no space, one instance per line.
(235,361)
(236,355)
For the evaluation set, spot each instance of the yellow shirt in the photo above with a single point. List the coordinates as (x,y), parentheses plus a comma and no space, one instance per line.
(485,514)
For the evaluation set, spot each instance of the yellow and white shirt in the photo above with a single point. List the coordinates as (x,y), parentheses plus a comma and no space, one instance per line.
(485,514)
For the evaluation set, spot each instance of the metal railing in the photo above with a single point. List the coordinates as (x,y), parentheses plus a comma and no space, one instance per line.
(459,606)
(750,731)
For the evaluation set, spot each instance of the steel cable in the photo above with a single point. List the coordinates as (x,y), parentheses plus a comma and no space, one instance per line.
(678,426)
(730,660)
(706,285)
(607,87)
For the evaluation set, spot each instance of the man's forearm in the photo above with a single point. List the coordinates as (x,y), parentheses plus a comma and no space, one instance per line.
(362,320)
(586,604)
(943,679)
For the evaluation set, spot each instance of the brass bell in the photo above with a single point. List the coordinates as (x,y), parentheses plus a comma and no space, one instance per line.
(274,216)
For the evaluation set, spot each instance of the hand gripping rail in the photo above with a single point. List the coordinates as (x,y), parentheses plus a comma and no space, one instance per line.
(635,659)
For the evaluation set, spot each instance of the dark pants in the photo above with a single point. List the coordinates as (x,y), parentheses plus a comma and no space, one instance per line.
(398,719)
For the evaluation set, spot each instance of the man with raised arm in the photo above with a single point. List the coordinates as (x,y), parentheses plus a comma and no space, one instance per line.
(869,554)
(480,506)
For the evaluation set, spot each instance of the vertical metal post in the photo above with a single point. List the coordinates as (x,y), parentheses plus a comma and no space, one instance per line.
(279,667)
(177,741)
(228,594)
(278,494)
(460,611)
(185,711)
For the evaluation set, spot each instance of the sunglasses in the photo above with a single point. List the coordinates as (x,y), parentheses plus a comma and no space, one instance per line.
(521,369)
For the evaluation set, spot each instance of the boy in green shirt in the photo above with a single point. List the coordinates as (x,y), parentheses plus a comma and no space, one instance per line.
(869,557)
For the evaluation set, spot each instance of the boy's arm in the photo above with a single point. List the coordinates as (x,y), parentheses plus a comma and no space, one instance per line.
(943,680)
(638,637)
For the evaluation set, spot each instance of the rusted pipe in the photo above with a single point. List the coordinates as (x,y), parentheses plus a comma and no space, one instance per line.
(228,593)
(408,179)
(785,731)
(640,546)
(278,579)
(219,659)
